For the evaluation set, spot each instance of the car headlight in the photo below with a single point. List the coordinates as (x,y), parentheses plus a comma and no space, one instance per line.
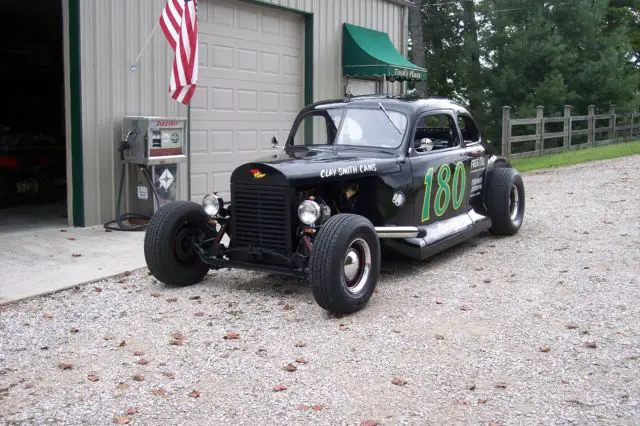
(212,204)
(309,212)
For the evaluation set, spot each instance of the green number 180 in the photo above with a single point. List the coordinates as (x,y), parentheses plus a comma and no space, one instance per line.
(443,195)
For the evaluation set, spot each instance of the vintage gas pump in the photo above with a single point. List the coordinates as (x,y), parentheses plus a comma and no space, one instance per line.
(152,150)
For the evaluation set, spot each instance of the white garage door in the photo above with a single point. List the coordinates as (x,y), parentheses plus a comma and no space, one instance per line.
(250,88)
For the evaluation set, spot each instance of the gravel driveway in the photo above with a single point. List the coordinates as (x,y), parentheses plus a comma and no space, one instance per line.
(540,328)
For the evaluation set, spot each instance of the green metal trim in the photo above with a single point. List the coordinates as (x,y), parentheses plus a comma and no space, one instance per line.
(77,163)
(280,6)
(308,59)
(308,73)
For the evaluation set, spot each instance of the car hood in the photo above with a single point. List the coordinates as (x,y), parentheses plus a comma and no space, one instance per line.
(303,165)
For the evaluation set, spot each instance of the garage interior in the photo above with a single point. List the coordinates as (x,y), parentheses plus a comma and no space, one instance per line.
(33,187)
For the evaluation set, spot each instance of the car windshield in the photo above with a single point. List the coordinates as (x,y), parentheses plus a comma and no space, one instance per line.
(370,127)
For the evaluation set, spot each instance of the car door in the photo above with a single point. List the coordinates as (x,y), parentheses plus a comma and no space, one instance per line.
(440,172)
(477,157)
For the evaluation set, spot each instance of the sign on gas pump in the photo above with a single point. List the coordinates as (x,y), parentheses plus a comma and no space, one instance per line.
(165,182)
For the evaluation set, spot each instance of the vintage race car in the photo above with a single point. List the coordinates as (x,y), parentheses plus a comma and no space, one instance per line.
(356,178)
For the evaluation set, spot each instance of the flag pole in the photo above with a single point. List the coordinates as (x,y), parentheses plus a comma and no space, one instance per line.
(188,131)
(134,65)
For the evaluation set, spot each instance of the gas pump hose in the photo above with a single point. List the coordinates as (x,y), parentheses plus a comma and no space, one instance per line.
(121,217)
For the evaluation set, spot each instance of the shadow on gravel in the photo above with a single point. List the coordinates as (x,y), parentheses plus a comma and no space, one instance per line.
(264,284)
(398,266)
(393,266)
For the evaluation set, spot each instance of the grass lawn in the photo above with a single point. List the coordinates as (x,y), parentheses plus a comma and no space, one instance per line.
(615,150)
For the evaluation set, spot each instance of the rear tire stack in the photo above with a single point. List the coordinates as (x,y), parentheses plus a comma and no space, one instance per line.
(505,200)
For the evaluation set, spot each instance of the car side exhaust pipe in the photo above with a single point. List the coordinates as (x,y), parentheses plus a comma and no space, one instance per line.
(400,232)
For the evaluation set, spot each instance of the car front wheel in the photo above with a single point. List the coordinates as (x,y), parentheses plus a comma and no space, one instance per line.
(345,263)
(168,243)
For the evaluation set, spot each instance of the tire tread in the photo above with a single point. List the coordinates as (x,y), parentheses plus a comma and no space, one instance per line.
(499,186)
(155,245)
(323,254)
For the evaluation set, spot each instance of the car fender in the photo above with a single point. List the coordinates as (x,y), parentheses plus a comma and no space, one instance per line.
(495,161)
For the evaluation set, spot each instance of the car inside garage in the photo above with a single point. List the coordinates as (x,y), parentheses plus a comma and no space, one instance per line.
(33,187)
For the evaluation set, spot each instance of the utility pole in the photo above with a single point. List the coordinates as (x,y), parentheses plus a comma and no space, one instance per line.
(416,30)
(473,56)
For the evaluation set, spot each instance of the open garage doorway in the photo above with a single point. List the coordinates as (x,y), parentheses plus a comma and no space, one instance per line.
(33,183)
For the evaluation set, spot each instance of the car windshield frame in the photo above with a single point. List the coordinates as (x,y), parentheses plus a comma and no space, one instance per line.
(339,114)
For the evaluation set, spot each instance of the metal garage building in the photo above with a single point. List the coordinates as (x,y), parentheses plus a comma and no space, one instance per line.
(260,62)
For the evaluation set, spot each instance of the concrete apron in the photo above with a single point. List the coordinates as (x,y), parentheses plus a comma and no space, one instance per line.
(44,261)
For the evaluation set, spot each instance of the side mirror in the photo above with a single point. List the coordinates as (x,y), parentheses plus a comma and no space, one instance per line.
(274,142)
(426,144)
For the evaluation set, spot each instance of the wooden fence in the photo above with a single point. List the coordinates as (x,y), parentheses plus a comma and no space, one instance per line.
(528,137)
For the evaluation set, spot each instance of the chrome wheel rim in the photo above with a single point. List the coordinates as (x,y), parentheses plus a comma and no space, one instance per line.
(357,266)
(514,202)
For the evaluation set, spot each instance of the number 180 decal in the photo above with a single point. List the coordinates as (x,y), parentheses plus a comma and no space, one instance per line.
(447,192)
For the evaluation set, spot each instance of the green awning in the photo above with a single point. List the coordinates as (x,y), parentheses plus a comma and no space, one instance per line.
(370,53)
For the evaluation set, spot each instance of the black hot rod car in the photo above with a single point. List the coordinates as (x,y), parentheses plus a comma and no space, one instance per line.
(355,176)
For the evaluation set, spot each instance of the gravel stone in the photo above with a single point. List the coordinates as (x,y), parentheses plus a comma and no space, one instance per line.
(535,292)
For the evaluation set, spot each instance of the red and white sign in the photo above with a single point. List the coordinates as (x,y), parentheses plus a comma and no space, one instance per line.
(165,123)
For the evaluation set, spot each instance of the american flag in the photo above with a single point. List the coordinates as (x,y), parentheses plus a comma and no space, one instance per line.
(179,22)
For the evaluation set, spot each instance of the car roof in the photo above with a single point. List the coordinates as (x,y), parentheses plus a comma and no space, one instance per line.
(407,103)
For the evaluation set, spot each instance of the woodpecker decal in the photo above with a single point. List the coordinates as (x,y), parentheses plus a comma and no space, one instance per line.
(257,174)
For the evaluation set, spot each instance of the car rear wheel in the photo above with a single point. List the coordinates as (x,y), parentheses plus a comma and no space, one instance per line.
(168,243)
(345,263)
(505,201)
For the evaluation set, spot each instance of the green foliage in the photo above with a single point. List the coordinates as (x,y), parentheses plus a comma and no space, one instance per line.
(443,47)
(524,53)
(624,14)
(552,54)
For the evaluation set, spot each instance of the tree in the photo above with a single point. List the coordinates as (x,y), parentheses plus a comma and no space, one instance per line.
(624,13)
(417,42)
(443,47)
(471,59)
(451,50)
(601,72)
(524,53)
(553,53)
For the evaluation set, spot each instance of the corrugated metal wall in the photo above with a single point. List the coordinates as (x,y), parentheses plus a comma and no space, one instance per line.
(380,15)
(113,33)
